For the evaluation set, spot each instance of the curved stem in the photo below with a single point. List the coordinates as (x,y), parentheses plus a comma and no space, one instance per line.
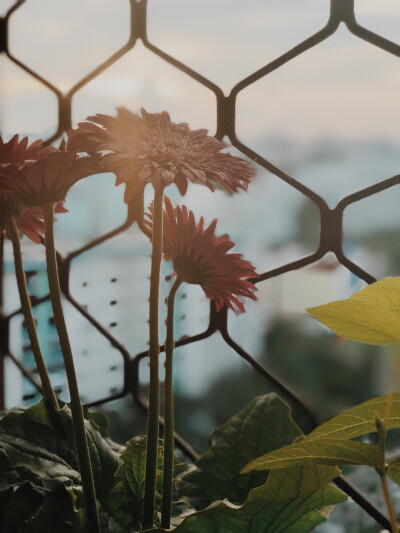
(76,407)
(154,350)
(48,391)
(169,412)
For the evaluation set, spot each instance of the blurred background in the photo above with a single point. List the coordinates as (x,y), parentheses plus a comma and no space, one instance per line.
(329,118)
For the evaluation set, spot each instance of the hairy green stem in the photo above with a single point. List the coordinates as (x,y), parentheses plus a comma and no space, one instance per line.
(81,442)
(154,351)
(48,391)
(169,412)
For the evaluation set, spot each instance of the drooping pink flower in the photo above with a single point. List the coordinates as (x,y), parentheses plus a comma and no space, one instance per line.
(201,258)
(17,151)
(29,219)
(14,154)
(31,222)
(152,148)
(47,179)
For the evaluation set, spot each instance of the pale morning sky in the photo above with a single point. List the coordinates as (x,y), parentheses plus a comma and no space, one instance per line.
(343,89)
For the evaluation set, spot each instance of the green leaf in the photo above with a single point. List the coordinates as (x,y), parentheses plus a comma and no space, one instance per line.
(30,449)
(371,315)
(55,514)
(323,451)
(98,420)
(292,500)
(360,319)
(5,497)
(127,493)
(393,470)
(37,454)
(263,425)
(42,442)
(125,500)
(104,459)
(22,504)
(359,420)
(386,292)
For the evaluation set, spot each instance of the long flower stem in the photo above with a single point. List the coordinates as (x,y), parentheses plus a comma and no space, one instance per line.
(76,407)
(48,391)
(389,504)
(154,351)
(169,412)
(382,428)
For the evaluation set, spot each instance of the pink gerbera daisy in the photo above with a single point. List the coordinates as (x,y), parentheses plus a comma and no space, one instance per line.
(47,179)
(31,221)
(17,151)
(201,258)
(15,154)
(151,148)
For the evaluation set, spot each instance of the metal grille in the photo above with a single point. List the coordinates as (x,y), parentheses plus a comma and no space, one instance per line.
(341,11)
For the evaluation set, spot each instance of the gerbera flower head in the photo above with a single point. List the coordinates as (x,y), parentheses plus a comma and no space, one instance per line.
(14,154)
(17,151)
(201,258)
(29,219)
(152,148)
(47,179)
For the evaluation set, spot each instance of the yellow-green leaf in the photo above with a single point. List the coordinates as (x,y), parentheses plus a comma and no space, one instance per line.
(386,292)
(368,316)
(359,420)
(321,452)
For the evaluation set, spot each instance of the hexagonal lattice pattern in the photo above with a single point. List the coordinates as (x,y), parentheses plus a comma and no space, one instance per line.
(155,47)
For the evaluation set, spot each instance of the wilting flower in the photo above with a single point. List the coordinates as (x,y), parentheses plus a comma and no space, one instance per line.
(45,180)
(151,148)
(201,258)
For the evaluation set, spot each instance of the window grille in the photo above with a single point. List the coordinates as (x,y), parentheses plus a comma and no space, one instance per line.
(330,240)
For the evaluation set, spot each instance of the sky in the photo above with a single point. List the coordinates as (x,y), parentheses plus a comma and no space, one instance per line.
(342,89)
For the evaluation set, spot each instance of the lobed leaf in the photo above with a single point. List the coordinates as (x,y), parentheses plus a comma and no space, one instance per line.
(263,425)
(293,500)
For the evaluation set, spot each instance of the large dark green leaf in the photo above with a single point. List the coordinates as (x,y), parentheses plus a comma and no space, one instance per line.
(37,456)
(30,449)
(54,515)
(41,441)
(104,459)
(263,425)
(293,500)
(23,503)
